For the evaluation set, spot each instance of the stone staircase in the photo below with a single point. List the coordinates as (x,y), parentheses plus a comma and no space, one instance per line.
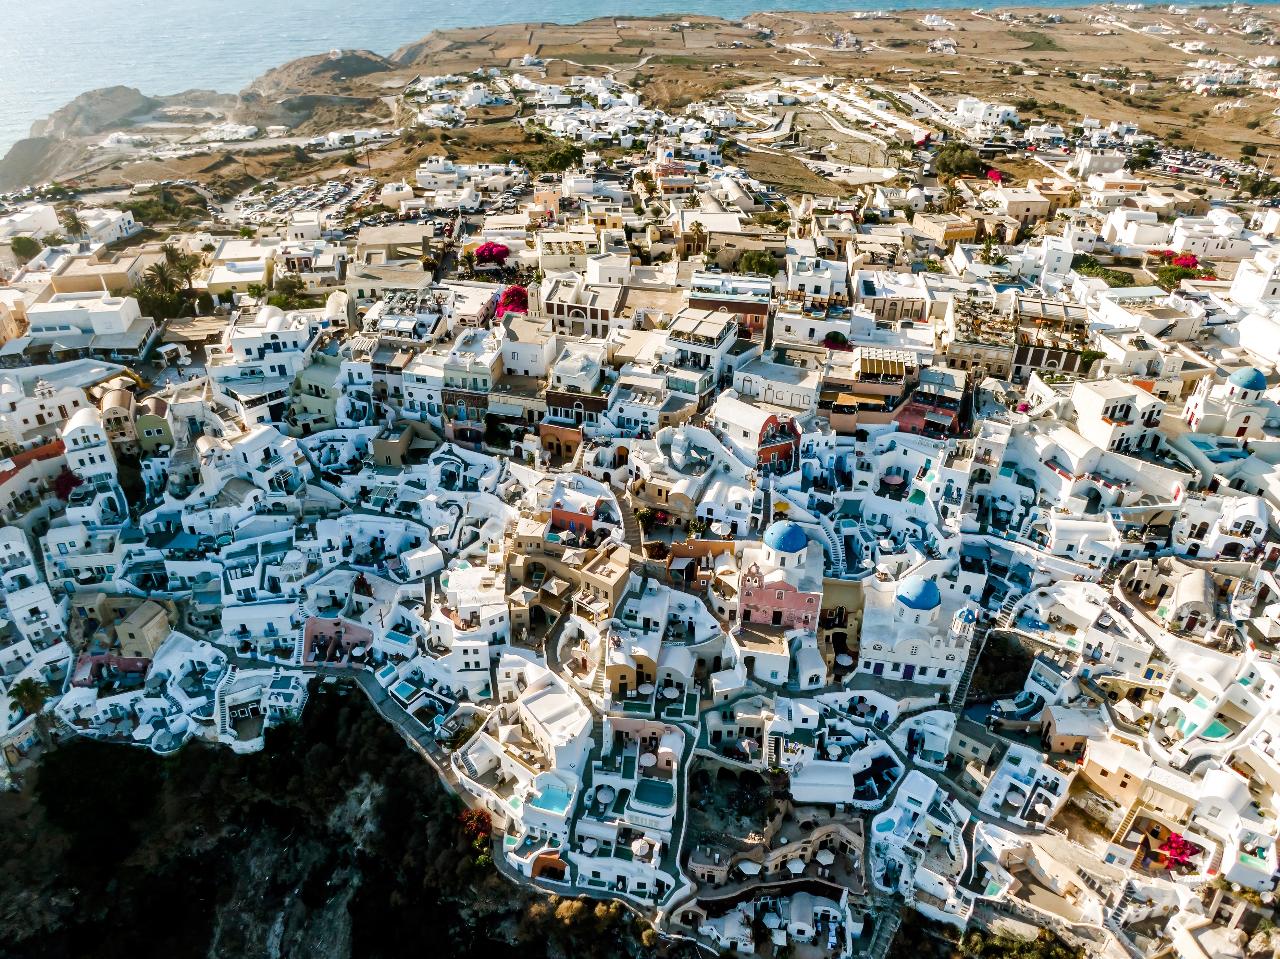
(886,929)
(1215,862)
(299,646)
(224,713)
(465,761)
(597,681)
(976,647)
(835,547)
(1120,911)
(1126,825)
(172,701)
(1005,618)
(632,534)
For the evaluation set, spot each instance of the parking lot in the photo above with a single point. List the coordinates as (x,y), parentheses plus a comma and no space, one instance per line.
(334,199)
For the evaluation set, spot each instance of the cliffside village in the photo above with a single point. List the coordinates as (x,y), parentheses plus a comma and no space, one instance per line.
(689,529)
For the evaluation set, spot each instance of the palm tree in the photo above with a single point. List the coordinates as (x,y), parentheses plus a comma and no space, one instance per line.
(184,265)
(951,198)
(30,695)
(468,262)
(72,223)
(697,236)
(991,254)
(163,278)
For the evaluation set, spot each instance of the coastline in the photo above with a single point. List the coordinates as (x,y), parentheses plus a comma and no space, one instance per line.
(404,31)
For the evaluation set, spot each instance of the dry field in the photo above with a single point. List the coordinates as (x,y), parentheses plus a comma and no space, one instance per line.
(1036,64)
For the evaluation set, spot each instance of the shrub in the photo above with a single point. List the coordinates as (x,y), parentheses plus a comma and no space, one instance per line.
(959,159)
(25,247)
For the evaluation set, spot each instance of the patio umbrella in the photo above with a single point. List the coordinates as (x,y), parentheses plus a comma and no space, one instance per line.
(772,920)
(645,689)
(605,794)
(590,845)
(648,759)
(795,866)
(749,868)
(640,847)
(670,692)
(825,857)
(844,659)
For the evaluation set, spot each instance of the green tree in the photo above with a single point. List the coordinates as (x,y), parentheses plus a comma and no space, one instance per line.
(468,262)
(758,261)
(163,278)
(30,695)
(1141,158)
(958,159)
(184,265)
(289,293)
(952,198)
(72,223)
(991,254)
(25,248)
(697,237)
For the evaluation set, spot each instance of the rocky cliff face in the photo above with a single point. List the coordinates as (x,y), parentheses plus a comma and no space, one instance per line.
(287,95)
(336,841)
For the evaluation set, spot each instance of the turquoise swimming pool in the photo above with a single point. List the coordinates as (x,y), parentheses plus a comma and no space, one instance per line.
(404,690)
(1216,730)
(884,825)
(552,798)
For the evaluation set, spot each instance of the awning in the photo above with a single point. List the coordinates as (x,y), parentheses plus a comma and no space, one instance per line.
(848,399)
(556,587)
(681,563)
(881,367)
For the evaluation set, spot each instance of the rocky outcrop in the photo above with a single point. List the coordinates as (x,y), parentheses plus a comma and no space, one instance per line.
(316,74)
(94,112)
(37,159)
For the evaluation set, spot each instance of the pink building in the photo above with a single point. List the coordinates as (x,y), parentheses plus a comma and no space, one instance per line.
(778,586)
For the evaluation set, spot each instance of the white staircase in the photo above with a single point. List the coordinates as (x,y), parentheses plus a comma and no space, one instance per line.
(976,647)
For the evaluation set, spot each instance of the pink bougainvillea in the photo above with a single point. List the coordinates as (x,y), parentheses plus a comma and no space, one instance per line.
(995,176)
(491,252)
(514,299)
(1178,851)
(1174,258)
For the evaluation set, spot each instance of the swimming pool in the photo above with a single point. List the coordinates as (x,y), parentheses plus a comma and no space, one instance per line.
(1216,730)
(404,690)
(655,792)
(884,825)
(552,799)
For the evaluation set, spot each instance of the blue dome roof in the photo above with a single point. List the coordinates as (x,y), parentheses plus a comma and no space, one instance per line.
(1250,378)
(916,592)
(785,536)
